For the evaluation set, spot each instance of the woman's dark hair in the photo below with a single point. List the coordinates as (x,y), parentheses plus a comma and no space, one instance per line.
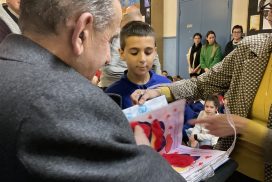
(197,34)
(195,49)
(237,27)
(209,33)
(214,99)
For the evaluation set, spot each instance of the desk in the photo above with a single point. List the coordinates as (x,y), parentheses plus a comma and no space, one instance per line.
(224,171)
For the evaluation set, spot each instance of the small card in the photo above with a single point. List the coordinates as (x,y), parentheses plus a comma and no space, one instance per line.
(148,106)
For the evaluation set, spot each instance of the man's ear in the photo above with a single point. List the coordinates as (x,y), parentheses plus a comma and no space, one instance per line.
(81,32)
(121,54)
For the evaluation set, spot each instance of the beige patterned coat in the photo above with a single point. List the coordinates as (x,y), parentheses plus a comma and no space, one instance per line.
(239,76)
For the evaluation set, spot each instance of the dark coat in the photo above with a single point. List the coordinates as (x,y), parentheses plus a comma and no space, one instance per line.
(229,47)
(55,126)
(4,30)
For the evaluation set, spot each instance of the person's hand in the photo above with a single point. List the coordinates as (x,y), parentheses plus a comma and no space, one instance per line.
(191,138)
(193,144)
(195,70)
(140,96)
(218,124)
(95,80)
(206,69)
(140,137)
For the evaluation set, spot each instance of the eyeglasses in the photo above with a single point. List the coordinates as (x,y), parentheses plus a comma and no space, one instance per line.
(236,32)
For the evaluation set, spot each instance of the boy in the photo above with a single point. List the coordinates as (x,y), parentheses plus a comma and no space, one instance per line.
(137,48)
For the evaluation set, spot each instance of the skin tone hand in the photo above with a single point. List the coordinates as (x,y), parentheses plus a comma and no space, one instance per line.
(140,96)
(219,126)
(206,69)
(193,142)
(140,136)
(196,69)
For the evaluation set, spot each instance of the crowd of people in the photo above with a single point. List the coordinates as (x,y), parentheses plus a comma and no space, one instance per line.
(201,58)
(57,126)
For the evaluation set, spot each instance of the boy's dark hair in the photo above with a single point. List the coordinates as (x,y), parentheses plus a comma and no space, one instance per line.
(214,99)
(237,27)
(135,28)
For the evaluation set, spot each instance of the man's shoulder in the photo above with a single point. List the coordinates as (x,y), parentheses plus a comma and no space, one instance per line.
(4,30)
(3,25)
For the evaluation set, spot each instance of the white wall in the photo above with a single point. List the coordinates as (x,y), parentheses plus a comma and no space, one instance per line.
(240,13)
(170,18)
(2,1)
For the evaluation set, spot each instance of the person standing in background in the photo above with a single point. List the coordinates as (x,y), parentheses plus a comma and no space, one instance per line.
(9,14)
(193,56)
(210,52)
(237,32)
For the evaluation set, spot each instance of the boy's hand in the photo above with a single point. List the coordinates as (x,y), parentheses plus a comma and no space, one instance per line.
(194,144)
(191,138)
(140,96)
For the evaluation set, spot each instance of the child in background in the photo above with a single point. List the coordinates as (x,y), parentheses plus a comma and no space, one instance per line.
(199,134)
(137,40)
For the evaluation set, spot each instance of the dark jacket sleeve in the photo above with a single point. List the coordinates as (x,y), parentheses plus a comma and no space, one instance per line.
(4,30)
(228,48)
(77,136)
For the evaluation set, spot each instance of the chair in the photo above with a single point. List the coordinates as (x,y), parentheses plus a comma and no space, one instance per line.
(224,171)
(116,98)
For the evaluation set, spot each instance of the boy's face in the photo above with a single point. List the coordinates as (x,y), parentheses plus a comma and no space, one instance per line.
(210,108)
(139,54)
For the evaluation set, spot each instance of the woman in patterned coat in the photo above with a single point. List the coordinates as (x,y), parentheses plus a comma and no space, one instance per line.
(245,76)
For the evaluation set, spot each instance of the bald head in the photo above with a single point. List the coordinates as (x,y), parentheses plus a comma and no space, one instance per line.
(134,15)
(14,5)
(131,9)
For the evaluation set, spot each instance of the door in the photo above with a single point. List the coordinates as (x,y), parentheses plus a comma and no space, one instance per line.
(201,16)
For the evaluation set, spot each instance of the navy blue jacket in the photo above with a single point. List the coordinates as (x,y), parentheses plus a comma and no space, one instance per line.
(125,88)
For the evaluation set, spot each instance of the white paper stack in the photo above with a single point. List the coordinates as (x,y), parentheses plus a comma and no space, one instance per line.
(206,161)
